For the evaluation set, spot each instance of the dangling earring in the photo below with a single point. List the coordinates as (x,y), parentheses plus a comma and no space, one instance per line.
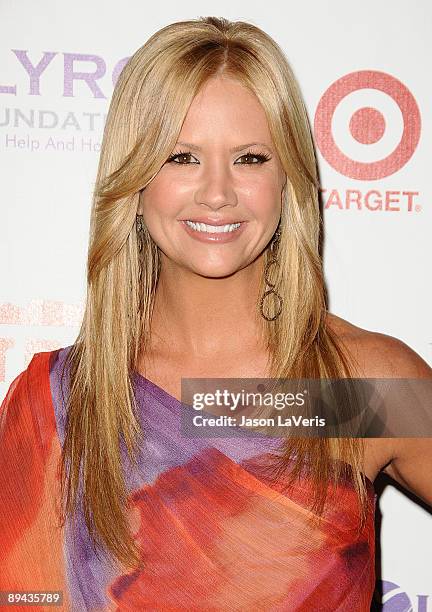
(272,290)
(140,231)
(140,239)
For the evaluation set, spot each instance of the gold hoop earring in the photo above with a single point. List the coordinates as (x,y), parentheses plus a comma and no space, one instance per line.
(272,291)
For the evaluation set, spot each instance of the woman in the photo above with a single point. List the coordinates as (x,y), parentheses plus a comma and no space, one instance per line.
(206,130)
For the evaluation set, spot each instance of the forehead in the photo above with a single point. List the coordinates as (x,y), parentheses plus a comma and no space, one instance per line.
(224,107)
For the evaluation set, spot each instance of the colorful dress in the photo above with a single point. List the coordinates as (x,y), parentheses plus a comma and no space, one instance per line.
(215,532)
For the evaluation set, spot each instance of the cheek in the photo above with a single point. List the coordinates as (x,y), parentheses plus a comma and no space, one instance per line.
(262,195)
(160,198)
(169,195)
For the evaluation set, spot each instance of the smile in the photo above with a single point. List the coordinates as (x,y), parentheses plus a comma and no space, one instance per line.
(212,229)
(214,234)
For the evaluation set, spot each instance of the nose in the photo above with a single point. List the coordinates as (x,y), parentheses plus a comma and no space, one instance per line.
(215,189)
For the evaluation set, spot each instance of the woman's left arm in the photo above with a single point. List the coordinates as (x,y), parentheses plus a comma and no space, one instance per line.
(411,466)
(411,463)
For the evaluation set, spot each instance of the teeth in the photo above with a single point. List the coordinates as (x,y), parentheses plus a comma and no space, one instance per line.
(212,229)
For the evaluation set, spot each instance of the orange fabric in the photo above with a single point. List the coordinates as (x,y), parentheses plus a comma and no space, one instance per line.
(214,532)
(32,546)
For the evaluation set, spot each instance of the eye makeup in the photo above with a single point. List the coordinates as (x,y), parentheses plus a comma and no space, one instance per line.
(261,157)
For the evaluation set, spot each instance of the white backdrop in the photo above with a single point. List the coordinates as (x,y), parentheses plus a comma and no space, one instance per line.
(361,68)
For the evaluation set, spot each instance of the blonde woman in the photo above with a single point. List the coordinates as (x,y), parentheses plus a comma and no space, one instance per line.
(207,173)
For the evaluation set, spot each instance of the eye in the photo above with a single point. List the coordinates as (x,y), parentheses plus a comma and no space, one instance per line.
(180,155)
(260,157)
(181,158)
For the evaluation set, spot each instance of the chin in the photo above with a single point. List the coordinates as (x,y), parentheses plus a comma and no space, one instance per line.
(221,270)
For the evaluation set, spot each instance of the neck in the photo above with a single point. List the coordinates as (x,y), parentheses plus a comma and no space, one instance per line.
(206,317)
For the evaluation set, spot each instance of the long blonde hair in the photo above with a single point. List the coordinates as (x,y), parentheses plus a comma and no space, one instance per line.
(149,104)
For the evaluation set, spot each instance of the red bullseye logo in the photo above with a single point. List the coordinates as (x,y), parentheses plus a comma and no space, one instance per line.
(367,125)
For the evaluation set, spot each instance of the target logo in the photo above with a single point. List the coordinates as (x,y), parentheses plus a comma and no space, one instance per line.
(367,125)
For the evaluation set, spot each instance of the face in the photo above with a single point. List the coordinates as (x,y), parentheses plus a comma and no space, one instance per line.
(224,171)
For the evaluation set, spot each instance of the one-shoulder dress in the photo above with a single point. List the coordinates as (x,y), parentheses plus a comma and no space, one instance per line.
(215,532)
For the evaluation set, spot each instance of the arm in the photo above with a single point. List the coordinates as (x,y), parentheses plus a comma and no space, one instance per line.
(411,466)
(411,458)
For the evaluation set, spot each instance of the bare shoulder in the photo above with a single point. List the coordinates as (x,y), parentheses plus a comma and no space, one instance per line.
(377,355)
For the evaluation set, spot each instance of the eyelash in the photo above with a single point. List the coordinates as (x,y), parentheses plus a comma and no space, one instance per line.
(262,157)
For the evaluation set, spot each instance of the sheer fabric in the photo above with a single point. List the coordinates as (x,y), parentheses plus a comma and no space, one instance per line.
(216,533)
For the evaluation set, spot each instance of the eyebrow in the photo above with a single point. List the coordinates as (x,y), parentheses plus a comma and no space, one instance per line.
(233,150)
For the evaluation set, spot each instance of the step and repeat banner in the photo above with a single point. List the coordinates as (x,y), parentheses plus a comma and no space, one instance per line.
(362,71)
